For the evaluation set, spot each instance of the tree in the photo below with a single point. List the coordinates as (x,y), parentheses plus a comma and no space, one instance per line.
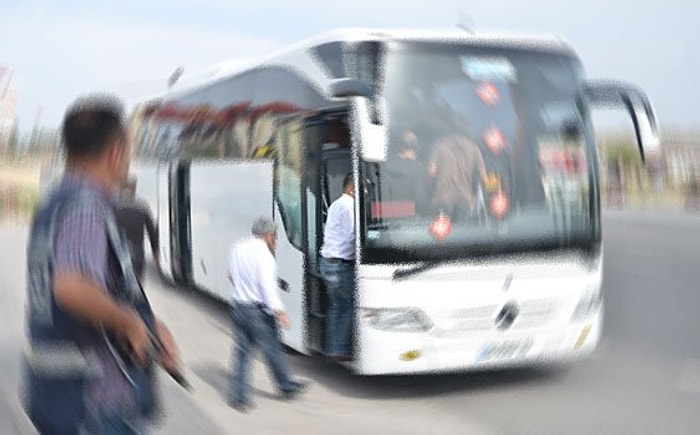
(13,140)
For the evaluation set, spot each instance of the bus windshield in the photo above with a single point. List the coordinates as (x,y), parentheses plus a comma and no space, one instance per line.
(490,150)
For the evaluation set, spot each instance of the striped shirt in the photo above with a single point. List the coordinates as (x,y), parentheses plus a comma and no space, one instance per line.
(82,247)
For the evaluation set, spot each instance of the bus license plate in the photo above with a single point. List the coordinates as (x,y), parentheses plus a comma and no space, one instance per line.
(504,350)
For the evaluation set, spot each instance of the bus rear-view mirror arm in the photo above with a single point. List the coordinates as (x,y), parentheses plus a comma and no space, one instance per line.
(371,120)
(612,94)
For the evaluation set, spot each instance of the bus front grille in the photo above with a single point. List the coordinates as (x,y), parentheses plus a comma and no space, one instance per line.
(461,322)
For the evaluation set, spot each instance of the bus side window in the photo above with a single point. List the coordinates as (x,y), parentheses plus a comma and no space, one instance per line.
(288,143)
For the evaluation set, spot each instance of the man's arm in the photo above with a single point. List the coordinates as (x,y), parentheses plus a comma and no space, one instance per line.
(82,298)
(80,273)
(268,278)
(349,220)
(151,229)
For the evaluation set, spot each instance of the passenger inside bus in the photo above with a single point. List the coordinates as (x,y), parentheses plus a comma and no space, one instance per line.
(457,167)
(405,167)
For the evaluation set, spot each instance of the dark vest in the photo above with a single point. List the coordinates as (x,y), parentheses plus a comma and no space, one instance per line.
(59,359)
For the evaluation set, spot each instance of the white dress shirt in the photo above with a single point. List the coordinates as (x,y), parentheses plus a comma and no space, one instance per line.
(254,274)
(339,233)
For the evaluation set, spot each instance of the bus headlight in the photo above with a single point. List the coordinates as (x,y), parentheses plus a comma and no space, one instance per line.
(397,319)
(590,302)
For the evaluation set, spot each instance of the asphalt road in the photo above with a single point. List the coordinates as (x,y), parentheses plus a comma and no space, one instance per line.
(643,379)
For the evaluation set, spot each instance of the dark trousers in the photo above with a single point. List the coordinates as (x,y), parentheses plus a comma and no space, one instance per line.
(138,259)
(254,327)
(339,277)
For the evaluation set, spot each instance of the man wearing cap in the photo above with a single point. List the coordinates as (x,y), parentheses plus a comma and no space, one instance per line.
(256,311)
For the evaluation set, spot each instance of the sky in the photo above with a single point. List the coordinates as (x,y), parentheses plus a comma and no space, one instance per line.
(60,50)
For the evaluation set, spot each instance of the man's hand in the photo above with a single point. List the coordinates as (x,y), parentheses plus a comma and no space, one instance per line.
(170,359)
(136,335)
(86,300)
(283,319)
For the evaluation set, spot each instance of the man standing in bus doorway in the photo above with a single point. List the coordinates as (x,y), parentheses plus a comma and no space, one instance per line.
(337,265)
(134,217)
(256,311)
(80,287)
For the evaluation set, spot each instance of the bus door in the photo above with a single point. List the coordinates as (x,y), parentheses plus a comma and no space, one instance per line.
(326,164)
(180,237)
(162,217)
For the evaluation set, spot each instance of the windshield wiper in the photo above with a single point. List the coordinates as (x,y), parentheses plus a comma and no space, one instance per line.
(408,271)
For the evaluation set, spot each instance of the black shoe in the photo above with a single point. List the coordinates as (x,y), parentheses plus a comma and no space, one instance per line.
(298,389)
(241,406)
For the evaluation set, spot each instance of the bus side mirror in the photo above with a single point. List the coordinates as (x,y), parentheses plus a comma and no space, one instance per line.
(372,136)
(615,94)
(346,88)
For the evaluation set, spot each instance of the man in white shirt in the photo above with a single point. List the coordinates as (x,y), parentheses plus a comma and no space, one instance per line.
(337,265)
(256,310)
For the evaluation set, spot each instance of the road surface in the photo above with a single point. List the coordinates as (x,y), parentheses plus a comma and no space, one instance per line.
(643,379)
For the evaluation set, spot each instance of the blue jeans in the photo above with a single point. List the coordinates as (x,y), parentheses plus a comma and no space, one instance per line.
(254,327)
(340,283)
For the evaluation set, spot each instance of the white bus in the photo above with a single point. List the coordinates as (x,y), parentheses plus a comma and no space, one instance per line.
(515,281)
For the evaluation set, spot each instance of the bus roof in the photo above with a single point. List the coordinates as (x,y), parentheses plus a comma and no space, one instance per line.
(234,67)
(439,34)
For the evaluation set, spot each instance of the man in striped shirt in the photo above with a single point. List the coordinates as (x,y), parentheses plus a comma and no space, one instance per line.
(76,288)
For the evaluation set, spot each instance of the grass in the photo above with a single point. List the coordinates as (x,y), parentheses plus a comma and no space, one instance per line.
(19,190)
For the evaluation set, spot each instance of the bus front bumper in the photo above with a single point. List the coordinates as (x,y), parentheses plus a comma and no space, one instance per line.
(383,352)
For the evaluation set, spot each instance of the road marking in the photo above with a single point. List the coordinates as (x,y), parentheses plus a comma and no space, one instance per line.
(689,378)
